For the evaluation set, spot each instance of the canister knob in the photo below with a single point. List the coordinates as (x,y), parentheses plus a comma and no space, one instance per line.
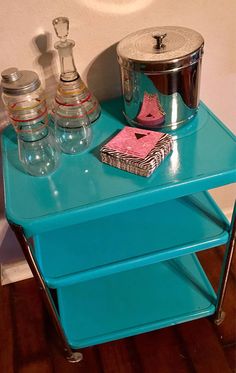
(159,41)
(11,74)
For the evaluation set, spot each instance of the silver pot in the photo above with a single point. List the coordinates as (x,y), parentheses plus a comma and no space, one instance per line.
(160,73)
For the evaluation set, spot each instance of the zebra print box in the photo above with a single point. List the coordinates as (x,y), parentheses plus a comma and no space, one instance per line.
(137,150)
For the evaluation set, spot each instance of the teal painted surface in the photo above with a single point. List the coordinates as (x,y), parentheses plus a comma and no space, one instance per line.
(83,188)
(90,220)
(135,301)
(135,238)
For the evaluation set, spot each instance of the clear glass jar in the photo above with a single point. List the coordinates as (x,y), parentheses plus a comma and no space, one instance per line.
(27,109)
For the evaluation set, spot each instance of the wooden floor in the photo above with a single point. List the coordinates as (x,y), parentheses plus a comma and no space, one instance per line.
(28,343)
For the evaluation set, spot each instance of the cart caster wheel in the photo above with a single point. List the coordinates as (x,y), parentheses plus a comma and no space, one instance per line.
(75,357)
(219,318)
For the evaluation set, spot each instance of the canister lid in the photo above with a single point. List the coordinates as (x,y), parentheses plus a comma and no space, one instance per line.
(170,46)
(15,82)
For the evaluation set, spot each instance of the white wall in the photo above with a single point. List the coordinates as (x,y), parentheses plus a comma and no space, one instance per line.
(27,39)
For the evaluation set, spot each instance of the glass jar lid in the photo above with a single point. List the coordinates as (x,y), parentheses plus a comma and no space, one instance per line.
(15,82)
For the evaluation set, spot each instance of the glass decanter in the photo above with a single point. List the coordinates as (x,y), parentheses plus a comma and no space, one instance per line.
(71,89)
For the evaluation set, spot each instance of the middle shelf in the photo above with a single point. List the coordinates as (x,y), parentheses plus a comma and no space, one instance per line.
(132,239)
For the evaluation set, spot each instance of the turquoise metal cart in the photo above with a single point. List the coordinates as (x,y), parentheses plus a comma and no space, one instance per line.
(115,253)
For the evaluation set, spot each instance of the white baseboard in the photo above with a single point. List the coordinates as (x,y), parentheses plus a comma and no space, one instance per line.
(18,271)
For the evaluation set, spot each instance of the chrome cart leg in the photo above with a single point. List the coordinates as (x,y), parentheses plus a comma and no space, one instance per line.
(72,356)
(220,314)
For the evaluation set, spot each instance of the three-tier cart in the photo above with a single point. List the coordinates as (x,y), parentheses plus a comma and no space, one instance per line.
(115,254)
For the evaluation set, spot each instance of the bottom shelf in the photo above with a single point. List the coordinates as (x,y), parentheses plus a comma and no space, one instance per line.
(135,301)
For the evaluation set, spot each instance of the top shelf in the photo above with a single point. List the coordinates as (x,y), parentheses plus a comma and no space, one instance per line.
(84,188)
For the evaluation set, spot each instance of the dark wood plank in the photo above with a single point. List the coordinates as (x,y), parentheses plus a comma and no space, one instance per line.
(36,366)
(30,335)
(160,351)
(230,353)
(6,332)
(119,357)
(203,346)
(91,361)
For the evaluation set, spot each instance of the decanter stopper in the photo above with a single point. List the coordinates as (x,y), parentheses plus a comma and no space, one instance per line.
(64,47)
(61,27)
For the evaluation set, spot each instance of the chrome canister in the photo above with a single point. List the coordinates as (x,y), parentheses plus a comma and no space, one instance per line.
(160,74)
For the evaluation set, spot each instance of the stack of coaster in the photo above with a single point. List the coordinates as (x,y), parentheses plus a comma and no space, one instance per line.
(137,150)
